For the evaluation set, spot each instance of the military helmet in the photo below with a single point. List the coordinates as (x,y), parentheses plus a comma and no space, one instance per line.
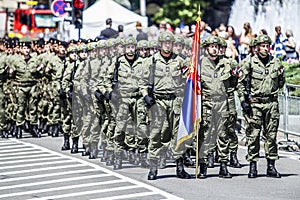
(223,42)
(82,47)
(129,40)
(153,44)
(263,39)
(72,48)
(142,44)
(119,41)
(111,42)
(166,37)
(253,42)
(211,40)
(92,45)
(179,39)
(101,44)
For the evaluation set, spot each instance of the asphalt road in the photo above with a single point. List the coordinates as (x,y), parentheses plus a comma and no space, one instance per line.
(36,168)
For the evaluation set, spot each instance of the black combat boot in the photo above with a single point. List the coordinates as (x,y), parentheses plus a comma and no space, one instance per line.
(45,126)
(50,130)
(74,145)
(152,175)
(210,160)
(4,134)
(66,145)
(234,162)
(188,162)
(271,170)
(118,161)
(252,170)
(13,131)
(18,132)
(203,171)
(34,131)
(180,172)
(55,130)
(87,150)
(93,151)
(144,161)
(224,173)
(110,158)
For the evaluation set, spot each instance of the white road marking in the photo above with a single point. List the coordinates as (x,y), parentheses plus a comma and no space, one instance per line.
(142,194)
(60,188)
(95,166)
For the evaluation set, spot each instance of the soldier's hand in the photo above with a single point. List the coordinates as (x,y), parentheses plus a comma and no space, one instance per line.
(107,96)
(246,108)
(61,93)
(114,96)
(70,94)
(99,96)
(149,100)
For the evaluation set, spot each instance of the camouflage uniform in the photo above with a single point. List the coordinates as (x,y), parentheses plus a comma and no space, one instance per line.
(266,75)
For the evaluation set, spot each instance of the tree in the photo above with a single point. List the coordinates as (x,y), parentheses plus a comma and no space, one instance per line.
(180,11)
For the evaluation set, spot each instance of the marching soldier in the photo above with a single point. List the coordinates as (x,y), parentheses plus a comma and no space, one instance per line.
(163,96)
(25,69)
(216,79)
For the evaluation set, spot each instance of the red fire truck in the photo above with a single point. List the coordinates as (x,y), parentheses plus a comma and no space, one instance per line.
(31,22)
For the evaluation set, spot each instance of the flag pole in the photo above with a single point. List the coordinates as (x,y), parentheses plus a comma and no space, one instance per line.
(195,88)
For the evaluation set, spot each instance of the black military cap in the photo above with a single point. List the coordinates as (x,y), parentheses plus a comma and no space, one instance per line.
(73,41)
(63,43)
(25,44)
(82,40)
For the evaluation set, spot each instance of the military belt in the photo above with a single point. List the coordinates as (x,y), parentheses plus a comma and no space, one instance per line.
(218,98)
(132,95)
(165,96)
(266,99)
(25,83)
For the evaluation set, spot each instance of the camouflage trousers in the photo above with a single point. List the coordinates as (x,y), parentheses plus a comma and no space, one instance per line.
(265,115)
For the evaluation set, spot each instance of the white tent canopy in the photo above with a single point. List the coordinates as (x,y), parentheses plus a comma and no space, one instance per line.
(95,16)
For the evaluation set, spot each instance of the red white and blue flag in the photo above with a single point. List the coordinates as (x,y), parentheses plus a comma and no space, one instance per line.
(191,107)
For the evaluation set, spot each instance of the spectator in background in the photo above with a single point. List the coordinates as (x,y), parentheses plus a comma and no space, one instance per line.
(245,37)
(263,32)
(232,36)
(162,26)
(121,31)
(203,32)
(141,35)
(278,42)
(108,32)
(290,46)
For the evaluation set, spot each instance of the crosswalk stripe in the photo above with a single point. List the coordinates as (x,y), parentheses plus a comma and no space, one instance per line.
(41,169)
(27,160)
(20,153)
(72,171)
(15,150)
(54,181)
(166,195)
(88,192)
(62,188)
(27,156)
(37,164)
(11,146)
(141,194)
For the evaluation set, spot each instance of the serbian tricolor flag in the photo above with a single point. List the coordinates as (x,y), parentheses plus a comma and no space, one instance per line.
(191,107)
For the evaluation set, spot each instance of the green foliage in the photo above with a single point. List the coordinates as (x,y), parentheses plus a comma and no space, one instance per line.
(292,76)
(175,11)
(292,73)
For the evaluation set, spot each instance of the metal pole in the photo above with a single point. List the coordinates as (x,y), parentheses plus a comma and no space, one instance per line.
(286,111)
(143,7)
(79,33)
